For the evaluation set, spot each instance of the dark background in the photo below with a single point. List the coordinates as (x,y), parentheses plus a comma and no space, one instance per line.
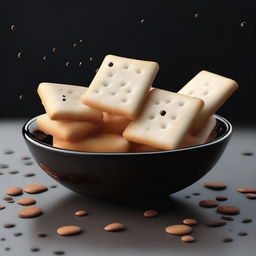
(184,37)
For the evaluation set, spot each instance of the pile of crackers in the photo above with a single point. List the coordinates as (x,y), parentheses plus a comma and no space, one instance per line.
(121,112)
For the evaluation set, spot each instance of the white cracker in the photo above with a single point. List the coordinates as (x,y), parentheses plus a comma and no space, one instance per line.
(213,89)
(63,102)
(121,85)
(66,130)
(202,136)
(164,120)
(101,142)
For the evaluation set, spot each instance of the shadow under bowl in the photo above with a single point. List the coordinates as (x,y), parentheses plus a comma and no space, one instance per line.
(120,176)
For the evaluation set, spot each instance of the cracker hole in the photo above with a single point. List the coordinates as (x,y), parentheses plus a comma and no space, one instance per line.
(168,101)
(96,91)
(110,64)
(190,92)
(151,117)
(129,90)
(69,92)
(123,84)
(126,66)
(157,102)
(105,84)
(162,112)
(124,100)
(205,93)
(181,104)
(113,93)
(163,126)
(138,71)
(63,96)
(110,74)
(173,117)
(147,129)
(206,83)
(63,99)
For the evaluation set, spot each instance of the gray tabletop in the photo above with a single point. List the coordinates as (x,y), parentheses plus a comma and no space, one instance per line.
(143,236)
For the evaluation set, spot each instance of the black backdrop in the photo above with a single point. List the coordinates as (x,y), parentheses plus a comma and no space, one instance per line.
(183,36)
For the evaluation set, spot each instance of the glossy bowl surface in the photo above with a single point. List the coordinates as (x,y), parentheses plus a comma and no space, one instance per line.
(127,175)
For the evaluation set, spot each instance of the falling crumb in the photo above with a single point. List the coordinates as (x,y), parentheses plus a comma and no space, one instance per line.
(80,41)
(13,27)
(67,64)
(196,15)
(91,59)
(243,24)
(55,50)
(75,44)
(20,55)
(44,58)
(142,21)
(21,97)
(81,64)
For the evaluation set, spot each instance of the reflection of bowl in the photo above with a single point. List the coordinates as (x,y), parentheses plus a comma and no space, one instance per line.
(127,175)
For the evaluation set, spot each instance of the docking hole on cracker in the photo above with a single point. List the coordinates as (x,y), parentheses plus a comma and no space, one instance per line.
(121,112)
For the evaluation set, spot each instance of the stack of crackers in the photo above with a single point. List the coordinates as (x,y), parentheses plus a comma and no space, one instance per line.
(121,112)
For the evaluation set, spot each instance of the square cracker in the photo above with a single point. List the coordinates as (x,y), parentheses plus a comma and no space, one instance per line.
(213,89)
(100,142)
(66,130)
(121,85)
(165,120)
(201,137)
(63,102)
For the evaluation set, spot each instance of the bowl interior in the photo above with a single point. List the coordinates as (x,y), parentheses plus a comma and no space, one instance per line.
(30,130)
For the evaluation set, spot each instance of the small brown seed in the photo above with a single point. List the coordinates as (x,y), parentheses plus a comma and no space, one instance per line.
(151,213)
(242,233)
(81,213)
(59,252)
(26,201)
(14,191)
(247,153)
(7,198)
(28,163)
(18,234)
(228,209)
(187,239)
(196,194)
(247,190)
(221,198)
(34,249)
(215,185)
(114,227)
(250,195)
(41,234)
(216,223)
(25,158)
(190,222)
(13,172)
(30,212)
(225,217)
(10,201)
(208,203)
(35,188)
(246,220)
(30,174)
(3,166)
(8,151)
(68,230)
(9,225)
(178,229)
(227,240)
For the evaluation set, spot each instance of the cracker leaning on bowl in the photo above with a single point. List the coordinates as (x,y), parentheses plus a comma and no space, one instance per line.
(121,90)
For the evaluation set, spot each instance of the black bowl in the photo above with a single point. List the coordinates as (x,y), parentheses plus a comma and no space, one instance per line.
(127,175)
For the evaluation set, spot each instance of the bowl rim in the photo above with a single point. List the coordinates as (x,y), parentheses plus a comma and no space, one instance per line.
(27,135)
